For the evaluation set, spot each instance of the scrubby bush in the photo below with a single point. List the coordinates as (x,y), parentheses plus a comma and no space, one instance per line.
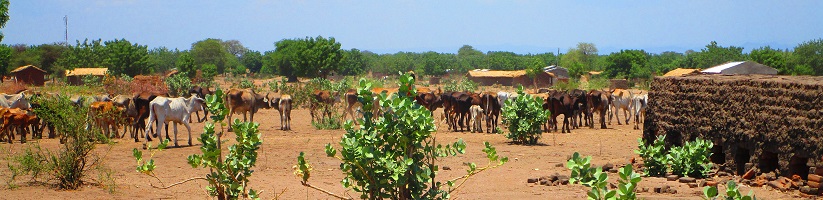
(392,156)
(523,116)
(597,180)
(655,159)
(179,84)
(460,85)
(566,85)
(732,192)
(691,159)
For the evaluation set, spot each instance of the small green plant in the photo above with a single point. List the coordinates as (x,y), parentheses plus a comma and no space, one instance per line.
(179,84)
(732,192)
(92,81)
(228,177)
(566,85)
(460,85)
(393,155)
(691,159)
(655,159)
(331,122)
(598,83)
(246,84)
(597,180)
(523,116)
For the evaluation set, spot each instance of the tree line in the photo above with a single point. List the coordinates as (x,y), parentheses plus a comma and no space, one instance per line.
(322,56)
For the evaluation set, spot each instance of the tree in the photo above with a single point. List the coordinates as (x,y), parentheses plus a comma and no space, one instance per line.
(162,59)
(713,55)
(252,60)
(123,57)
(211,51)
(185,63)
(666,61)
(5,59)
(318,57)
(535,67)
(468,51)
(235,48)
(86,54)
(22,55)
(503,60)
(49,55)
(809,55)
(580,59)
(4,15)
(353,63)
(772,58)
(623,63)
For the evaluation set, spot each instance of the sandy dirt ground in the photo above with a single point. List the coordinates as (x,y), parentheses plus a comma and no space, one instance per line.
(274,175)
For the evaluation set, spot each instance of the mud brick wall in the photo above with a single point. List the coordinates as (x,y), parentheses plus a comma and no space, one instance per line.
(764,121)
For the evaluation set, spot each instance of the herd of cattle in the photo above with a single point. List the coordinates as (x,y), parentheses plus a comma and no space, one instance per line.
(461,110)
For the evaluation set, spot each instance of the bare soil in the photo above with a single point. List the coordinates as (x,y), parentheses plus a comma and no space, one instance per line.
(274,173)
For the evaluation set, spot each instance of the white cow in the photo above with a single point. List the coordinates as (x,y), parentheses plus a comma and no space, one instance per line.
(14,101)
(178,110)
(621,99)
(639,104)
(503,96)
(476,118)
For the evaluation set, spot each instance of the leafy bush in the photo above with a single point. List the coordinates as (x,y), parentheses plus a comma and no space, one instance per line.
(691,159)
(393,155)
(332,122)
(732,192)
(91,81)
(460,85)
(598,83)
(247,84)
(228,177)
(523,116)
(179,84)
(566,85)
(655,159)
(596,179)
(70,165)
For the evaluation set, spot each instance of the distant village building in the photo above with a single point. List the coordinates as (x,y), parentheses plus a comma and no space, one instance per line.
(682,72)
(510,78)
(30,74)
(75,76)
(741,67)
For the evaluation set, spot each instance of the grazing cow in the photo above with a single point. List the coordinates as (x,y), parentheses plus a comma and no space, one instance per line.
(176,110)
(580,105)
(491,108)
(351,104)
(16,119)
(141,104)
(460,110)
(639,103)
(560,103)
(621,100)
(128,114)
(598,102)
(105,115)
(430,100)
(325,100)
(284,105)
(476,116)
(201,92)
(244,101)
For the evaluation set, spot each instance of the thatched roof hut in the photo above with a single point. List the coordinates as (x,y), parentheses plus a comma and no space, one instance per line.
(75,76)
(682,72)
(30,74)
(510,78)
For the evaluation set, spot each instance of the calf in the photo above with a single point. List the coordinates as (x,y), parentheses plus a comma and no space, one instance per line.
(16,119)
(201,92)
(104,115)
(476,116)
(352,104)
(177,110)
(244,101)
(325,100)
(639,103)
(598,102)
(284,105)
(621,100)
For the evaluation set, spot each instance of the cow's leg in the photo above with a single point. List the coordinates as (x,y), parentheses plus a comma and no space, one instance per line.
(616,112)
(174,124)
(231,112)
(626,115)
(188,128)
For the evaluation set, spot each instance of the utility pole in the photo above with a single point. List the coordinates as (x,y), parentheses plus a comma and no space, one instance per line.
(66,22)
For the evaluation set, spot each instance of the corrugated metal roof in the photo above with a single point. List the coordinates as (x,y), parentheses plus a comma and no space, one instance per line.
(87,71)
(720,68)
(25,67)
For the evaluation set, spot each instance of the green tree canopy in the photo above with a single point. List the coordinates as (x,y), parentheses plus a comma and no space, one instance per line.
(211,51)
(772,58)
(252,60)
(713,55)
(123,57)
(353,63)
(4,15)
(809,56)
(185,63)
(162,59)
(83,55)
(5,59)
(627,63)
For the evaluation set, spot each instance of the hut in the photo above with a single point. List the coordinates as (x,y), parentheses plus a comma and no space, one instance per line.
(75,76)
(682,72)
(510,78)
(30,74)
(741,67)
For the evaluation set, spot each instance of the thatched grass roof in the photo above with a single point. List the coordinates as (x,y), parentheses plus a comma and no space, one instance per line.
(87,71)
(26,67)
(498,74)
(681,72)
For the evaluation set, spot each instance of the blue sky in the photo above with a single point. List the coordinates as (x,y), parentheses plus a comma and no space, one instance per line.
(443,26)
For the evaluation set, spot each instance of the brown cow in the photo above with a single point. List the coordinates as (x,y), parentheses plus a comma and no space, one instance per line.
(560,103)
(284,106)
(17,119)
(598,101)
(491,108)
(351,104)
(244,101)
(141,106)
(325,100)
(201,92)
(104,115)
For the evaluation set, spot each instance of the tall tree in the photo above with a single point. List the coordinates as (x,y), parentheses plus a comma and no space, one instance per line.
(185,63)
(809,55)
(318,57)
(666,61)
(772,58)
(211,51)
(87,54)
(713,55)
(162,59)
(467,51)
(5,59)
(535,66)
(252,60)
(49,55)
(235,48)
(353,63)
(24,55)
(628,64)
(4,15)
(123,57)
(580,59)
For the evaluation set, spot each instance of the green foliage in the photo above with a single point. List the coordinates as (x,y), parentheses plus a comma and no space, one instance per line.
(809,55)
(309,57)
(460,85)
(209,71)
(524,115)
(628,64)
(691,159)
(581,59)
(246,84)
(179,84)
(353,63)
(123,57)
(252,60)
(330,122)
(712,55)
(732,192)
(569,85)
(393,155)
(92,81)
(86,54)
(771,57)
(211,51)
(185,64)
(33,162)
(228,176)
(162,59)
(597,83)
(655,159)
(597,180)
(4,15)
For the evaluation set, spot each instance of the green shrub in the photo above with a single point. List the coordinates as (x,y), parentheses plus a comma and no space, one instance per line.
(732,192)
(582,172)
(393,155)
(246,84)
(691,159)
(523,116)
(598,83)
(332,122)
(179,84)
(655,159)
(92,81)
(460,85)
(566,85)
(597,180)
(229,176)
